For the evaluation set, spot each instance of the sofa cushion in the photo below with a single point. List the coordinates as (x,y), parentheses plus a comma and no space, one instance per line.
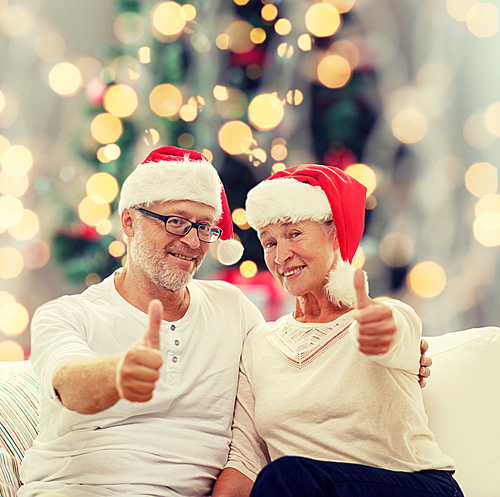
(19,398)
(462,400)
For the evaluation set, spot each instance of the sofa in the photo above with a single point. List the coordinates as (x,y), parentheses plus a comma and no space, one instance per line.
(462,400)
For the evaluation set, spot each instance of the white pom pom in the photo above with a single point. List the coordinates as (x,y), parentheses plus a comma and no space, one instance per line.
(340,285)
(229,252)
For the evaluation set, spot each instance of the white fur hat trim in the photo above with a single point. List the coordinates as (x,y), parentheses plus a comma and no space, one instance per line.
(285,198)
(340,285)
(164,181)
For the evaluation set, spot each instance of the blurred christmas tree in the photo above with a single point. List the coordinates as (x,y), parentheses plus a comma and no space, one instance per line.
(254,85)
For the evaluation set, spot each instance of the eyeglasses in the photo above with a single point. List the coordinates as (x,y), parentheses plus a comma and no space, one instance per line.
(179,226)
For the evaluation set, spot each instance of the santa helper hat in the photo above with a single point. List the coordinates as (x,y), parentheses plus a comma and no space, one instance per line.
(173,173)
(318,193)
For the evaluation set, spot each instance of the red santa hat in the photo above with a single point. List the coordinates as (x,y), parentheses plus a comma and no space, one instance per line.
(317,193)
(173,173)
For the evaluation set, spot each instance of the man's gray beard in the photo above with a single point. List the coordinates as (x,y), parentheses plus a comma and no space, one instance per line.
(154,265)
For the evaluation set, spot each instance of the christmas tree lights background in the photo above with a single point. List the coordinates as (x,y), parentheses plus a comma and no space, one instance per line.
(402,95)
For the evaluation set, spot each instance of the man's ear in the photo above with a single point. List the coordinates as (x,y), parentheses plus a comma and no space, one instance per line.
(128,223)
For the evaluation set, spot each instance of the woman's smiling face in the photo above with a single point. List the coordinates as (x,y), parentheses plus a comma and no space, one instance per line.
(299,255)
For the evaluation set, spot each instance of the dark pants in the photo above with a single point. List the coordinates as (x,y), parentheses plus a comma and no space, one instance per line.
(302,477)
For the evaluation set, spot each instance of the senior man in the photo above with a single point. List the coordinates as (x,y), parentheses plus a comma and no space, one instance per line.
(138,373)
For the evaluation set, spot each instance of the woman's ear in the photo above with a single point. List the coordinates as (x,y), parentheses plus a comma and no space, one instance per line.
(128,223)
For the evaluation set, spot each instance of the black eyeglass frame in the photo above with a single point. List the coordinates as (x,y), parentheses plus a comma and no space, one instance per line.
(192,225)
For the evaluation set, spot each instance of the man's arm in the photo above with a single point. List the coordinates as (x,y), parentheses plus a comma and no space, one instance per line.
(232,483)
(89,386)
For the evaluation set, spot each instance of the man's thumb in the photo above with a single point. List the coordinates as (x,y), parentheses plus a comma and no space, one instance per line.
(360,287)
(152,336)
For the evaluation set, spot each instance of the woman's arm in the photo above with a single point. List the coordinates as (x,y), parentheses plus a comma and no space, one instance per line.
(232,483)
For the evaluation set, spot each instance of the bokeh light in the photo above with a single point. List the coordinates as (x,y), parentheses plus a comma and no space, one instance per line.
(427,279)
(65,79)
(294,97)
(117,248)
(240,218)
(16,157)
(102,187)
(304,42)
(189,12)
(435,77)
(396,249)
(285,51)
(92,279)
(258,36)
(14,319)
(165,100)
(409,126)
(13,181)
(342,5)
(151,136)
(11,211)
(248,269)
(128,27)
(104,226)
(27,228)
(283,27)
(269,12)
(106,128)
(36,254)
(322,19)
(18,21)
(144,55)
(239,36)
(235,137)
(11,351)
(334,71)
(11,263)
(359,259)
(365,175)
(50,46)
(265,112)
(482,20)
(475,132)
(168,18)
(279,152)
(458,9)
(481,179)
(120,100)
(91,212)
(492,119)
(186,140)
(2,101)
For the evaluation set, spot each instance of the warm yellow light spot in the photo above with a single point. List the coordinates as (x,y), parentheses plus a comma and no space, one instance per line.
(342,5)
(14,319)
(279,166)
(239,217)
(365,175)
(258,156)
(265,112)
(486,229)
(144,55)
(285,51)
(102,187)
(304,42)
(427,279)
(269,12)
(481,179)
(333,70)
(65,79)
(208,154)
(279,152)
(92,279)
(11,211)
(104,226)
(120,100)
(165,100)
(2,101)
(188,113)
(283,27)
(11,351)
(222,41)
(409,126)
(435,77)
(220,93)
(235,137)
(117,248)
(492,119)
(151,136)
(359,259)
(239,36)
(294,97)
(9,114)
(189,12)
(185,140)
(168,18)
(11,263)
(18,21)
(112,151)
(106,128)
(6,298)
(91,212)
(241,2)
(371,203)
(4,144)
(397,249)
(27,227)
(348,50)
(36,254)
(101,156)
(476,134)
(488,203)
(458,9)
(483,20)
(13,181)
(17,157)
(248,269)
(258,35)
(322,19)
(129,27)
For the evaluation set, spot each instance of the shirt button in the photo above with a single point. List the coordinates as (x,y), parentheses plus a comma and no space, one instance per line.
(172,327)
(174,359)
(177,342)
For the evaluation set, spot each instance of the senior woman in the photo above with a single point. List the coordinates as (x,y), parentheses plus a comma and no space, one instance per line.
(328,399)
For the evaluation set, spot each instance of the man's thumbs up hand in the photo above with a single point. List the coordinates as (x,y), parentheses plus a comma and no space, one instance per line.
(139,367)
(376,324)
